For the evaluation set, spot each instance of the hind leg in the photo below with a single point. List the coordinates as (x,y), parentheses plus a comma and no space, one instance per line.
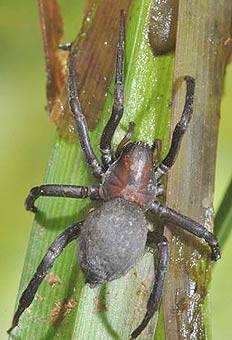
(156,293)
(55,249)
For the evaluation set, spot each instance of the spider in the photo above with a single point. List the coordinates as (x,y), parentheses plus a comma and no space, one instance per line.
(114,236)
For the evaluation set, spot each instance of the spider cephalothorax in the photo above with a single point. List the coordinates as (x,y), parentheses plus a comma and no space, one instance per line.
(114,236)
(131,175)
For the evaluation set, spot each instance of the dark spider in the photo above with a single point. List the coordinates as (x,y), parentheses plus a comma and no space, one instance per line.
(114,236)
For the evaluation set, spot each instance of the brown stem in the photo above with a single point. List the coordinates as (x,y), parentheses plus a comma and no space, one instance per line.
(204,29)
(96,46)
(51,24)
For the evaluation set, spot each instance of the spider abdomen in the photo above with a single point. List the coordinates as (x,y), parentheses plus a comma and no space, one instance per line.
(112,239)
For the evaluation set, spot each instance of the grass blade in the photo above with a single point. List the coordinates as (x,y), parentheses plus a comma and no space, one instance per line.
(66,308)
(223,218)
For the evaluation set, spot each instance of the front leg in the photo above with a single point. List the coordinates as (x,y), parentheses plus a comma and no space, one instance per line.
(60,190)
(169,215)
(117,112)
(179,130)
(80,121)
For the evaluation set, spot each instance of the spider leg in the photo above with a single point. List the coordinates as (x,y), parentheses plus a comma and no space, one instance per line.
(160,189)
(179,130)
(171,216)
(118,106)
(65,46)
(60,190)
(156,293)
(126,139)
(157,147)
(55,249)
(81,124)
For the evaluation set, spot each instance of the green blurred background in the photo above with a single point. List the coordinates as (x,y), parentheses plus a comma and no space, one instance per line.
(25,142)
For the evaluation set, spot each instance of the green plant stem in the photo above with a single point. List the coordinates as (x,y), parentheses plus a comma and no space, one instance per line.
(69,309)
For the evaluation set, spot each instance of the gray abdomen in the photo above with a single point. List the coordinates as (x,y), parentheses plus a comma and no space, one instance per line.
(112,239)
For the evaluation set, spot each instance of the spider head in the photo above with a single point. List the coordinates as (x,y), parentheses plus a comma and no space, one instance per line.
(137,153)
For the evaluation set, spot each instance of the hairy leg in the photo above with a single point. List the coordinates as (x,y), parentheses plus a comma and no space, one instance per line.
(179,130)
(156,293)
(169,215)
(117,112)
(157,147)
(81,124)
(60,190)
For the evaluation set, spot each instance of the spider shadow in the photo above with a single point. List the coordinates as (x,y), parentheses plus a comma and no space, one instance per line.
(60,222)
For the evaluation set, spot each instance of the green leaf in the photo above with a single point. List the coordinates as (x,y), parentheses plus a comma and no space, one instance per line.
(223,218)
(69,309)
